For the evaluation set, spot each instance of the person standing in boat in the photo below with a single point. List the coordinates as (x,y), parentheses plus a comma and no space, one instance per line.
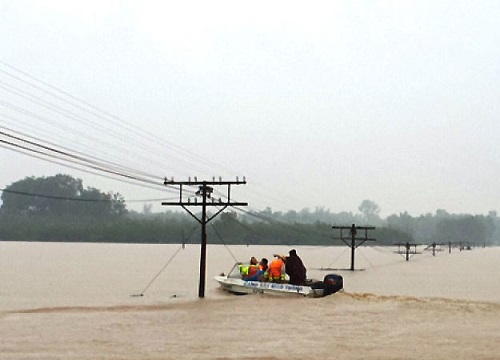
(276,271)
(295,269)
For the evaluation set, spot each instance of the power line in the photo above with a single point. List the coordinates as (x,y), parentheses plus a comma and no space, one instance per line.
(30,194)
(53,196)
(83,170)
(44,151)
(95,111)
(83,162)
(72,109)
(95,160)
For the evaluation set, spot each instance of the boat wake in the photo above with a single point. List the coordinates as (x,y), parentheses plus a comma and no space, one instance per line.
(432,301)
(92,309)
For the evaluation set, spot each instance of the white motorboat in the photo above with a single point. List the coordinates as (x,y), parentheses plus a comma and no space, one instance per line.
(233,283)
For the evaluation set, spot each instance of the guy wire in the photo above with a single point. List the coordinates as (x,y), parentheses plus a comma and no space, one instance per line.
(222,240)
(158,274)
(164,267)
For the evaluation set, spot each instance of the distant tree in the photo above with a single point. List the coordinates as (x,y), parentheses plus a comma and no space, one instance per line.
(370,211)
(390,236)
(147,209)
(291,216)
(464,229)
(441,213)
(404,222)
(305,215)
(60,196)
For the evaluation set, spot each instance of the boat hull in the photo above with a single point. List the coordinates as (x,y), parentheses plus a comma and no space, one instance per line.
(242,287)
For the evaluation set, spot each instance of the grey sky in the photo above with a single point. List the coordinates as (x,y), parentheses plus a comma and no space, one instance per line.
(319,103)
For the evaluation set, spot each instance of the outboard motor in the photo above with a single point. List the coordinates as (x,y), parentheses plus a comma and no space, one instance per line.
(332,283)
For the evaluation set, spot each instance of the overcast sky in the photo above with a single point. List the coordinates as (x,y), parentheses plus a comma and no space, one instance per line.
(317,103)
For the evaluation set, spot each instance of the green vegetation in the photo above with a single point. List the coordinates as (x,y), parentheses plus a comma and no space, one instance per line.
(59,208)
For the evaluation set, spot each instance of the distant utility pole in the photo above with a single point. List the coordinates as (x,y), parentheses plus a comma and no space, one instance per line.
(353,231)
(205,190)
(433,247)
(408,251)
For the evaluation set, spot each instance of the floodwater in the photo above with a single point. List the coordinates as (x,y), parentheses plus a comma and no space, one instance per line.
(80,301)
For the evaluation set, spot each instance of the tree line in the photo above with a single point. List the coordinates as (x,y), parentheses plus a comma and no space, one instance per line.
(60,208)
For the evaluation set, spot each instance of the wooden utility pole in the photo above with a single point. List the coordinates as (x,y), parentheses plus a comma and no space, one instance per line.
(205,190)
(433,247)
(353,230)
(408,250)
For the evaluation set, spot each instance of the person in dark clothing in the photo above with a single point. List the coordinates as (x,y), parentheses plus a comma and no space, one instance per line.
(295,269)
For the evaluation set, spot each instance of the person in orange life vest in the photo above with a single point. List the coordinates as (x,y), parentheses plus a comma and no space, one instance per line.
(249,270)
(276,271)
(254,267)
(260,273)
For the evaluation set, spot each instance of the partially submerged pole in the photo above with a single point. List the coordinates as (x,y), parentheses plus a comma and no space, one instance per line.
(205,191)
(353,244)
(353,231)
(203,254)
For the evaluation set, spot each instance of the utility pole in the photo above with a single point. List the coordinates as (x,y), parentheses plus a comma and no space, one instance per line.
(205,190)
(353,230)
(407,245)
(433,247)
